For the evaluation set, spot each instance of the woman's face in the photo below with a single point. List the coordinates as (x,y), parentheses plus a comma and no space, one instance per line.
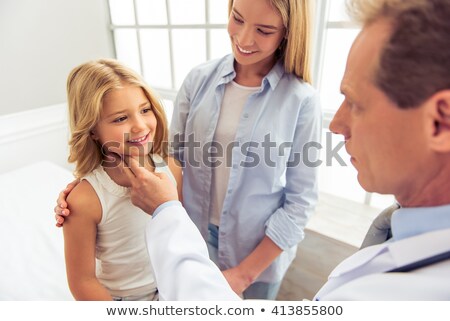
(256,30)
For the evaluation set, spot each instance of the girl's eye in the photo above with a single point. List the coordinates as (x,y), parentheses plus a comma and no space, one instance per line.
(120,119)
(146,110)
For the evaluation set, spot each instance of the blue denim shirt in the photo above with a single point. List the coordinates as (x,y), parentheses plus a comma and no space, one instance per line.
(265,196)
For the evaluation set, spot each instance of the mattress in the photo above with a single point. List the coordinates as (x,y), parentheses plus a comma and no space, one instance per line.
(31,247)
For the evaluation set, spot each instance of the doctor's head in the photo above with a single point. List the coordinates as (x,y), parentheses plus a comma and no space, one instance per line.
(396,114)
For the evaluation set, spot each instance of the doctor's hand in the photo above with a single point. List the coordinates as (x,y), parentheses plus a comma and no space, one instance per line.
(148,190)
(61,209)
(238,280)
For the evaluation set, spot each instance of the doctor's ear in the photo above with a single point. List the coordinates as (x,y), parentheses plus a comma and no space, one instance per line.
(440,141)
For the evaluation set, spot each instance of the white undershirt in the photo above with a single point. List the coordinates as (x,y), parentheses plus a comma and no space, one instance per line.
(234,100)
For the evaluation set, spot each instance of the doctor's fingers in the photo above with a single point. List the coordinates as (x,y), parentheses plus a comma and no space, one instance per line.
(135,168)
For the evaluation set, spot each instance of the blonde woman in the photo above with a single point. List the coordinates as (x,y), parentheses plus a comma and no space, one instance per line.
(112,112)
(248,186)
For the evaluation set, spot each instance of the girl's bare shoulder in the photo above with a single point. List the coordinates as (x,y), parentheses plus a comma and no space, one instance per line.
(83,201)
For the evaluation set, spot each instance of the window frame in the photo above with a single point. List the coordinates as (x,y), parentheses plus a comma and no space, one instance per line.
(165,93)
(321,27)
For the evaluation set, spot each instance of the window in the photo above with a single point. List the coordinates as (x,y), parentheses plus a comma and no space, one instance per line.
(334,35)
(164,39)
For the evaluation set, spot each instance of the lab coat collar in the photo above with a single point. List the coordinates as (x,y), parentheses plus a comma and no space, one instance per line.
(403,252)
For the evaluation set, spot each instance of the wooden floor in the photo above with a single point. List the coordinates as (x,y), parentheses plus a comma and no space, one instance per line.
(334,232)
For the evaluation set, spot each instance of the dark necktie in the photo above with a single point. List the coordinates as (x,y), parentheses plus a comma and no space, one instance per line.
(380,229)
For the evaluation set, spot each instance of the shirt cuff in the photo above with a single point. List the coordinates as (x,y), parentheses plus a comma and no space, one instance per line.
(165,205)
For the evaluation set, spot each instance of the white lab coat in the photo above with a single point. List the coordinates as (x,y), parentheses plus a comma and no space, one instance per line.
(362,277)
(183,270)
(180,260)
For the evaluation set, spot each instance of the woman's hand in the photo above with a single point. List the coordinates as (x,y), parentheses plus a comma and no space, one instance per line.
(61,209)
(243,275)
(238,280)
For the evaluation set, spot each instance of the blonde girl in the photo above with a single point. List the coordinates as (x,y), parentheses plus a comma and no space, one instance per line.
(113,115)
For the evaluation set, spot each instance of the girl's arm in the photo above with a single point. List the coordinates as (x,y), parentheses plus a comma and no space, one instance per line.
(175,168)
(80,231)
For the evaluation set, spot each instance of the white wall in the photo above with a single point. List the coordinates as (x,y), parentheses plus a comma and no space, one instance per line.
(39,134)
(41,41)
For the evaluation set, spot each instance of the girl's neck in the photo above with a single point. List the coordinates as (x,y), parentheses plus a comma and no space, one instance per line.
(252,75)
(115,170)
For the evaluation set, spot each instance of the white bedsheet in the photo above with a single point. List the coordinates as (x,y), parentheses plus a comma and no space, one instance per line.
(31,247)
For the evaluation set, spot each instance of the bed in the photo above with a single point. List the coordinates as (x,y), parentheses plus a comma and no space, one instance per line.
(32,248)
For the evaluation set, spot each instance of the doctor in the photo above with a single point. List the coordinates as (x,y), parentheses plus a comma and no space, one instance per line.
(396,122)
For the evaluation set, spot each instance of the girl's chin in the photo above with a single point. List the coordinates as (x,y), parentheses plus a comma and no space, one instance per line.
(138,156)
(116,156)
(135,152)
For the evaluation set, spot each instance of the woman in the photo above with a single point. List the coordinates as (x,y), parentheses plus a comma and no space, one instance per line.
(252,112)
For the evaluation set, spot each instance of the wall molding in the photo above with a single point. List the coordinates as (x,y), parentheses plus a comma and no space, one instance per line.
(35,135)
(31,123)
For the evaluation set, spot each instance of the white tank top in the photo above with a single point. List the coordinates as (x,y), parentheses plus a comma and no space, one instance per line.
(123,264)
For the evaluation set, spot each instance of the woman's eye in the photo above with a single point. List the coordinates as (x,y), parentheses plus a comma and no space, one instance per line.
(265,33)
(237,19)
(146,110)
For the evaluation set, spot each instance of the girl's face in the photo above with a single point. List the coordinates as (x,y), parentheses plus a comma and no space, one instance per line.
(256,30)
(127,123)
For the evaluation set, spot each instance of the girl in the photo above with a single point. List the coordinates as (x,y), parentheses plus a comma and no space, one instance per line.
(112,112)
(253,200)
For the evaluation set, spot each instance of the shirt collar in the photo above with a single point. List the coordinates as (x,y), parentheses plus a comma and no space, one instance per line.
(227,74)
(408,222)
(272,78)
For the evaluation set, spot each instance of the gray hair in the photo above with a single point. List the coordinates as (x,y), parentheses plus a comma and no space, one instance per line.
(415,62)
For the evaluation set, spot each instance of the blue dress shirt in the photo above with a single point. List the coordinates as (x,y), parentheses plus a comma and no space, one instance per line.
(407,222)
(272,187)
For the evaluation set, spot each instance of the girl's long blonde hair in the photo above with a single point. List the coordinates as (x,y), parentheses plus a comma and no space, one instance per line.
(87,86)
